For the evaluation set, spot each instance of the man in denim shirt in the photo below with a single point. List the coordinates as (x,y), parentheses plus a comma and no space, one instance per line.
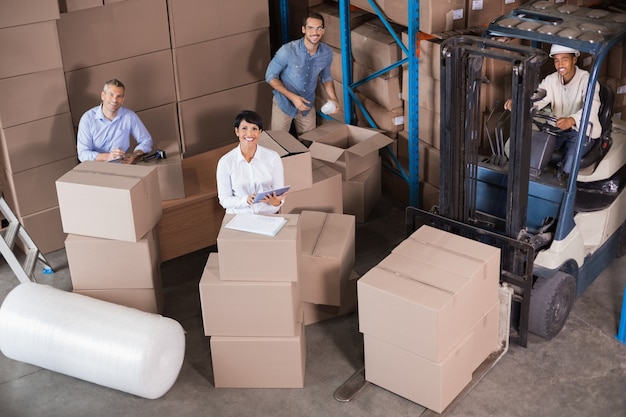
(293,73)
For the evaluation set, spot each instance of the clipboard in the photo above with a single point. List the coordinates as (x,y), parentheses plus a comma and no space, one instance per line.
(279,191)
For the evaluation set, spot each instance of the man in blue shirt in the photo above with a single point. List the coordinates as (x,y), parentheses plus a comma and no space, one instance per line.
(294,72)
(104,131)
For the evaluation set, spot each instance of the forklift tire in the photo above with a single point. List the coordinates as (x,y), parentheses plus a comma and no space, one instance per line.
(550,303)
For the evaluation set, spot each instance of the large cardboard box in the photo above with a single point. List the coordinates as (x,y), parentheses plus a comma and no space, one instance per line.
(361,193)
(98,264)
(324,195)
(170,172)
(15,13)
(395,10)
(374,47)
(197,73)
(441,16)
(83,44)
(268,258)
(32,97)
(247,308)
(391,121)
(486,335)
(314,313)
(482,277)
(328,252)
(37,143)
(162,123)
(295,156)
(259,362)
(140,74)
(431,384)
(206,122)
(32,190)
(68,6)
(193,21)
(349,149)
(415,306)
(481,12)
(384,89)
(108,200)
(149,300)
(29,48)
(45,228)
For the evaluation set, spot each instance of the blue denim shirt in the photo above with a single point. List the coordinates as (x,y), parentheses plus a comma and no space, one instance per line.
(299,72)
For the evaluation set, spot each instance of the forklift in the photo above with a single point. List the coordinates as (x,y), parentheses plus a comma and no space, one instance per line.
(556,232)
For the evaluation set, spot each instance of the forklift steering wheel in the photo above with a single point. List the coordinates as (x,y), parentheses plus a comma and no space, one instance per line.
(545,124)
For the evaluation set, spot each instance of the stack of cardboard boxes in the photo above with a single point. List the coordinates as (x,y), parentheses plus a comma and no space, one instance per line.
(429,313)
(109,212)
(36,137)
(258,292)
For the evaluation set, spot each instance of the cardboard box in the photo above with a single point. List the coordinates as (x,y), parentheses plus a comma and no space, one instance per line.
(193,21)
(429,195)
(140,75)
(268,258)
(328,253)
(15,13)
(247,308)
(385,120)
(259,362)
(83,44)
(170,173)
(32,190)
(37,143)
(373,46)
(384,89)
(486,335)
(430,127)
(124,199)
(431,384)
(394,10)
(295,156)
(332,22)
(314,313)
(441,16)
(324,195)
(197,73)
(361,193)
(45,228)
(481,12)
(162,123)
(215,113)
(349,149)
(29,48)
(32,97)
(149,300)
(98,264)
(481,277)
(67,6)
(415,306)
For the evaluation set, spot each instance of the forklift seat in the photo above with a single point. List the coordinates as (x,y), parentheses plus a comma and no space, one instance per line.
(603,143)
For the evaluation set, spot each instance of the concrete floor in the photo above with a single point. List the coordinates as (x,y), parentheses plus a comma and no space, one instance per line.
(582,372)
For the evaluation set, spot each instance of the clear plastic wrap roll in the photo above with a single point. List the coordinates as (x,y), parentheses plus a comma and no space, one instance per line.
(97,341)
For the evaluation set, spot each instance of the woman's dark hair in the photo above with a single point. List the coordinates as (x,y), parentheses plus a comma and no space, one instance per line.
(250,117)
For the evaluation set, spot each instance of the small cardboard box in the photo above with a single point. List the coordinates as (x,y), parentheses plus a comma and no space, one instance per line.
(109,200)
(267,258)
(259,362)
(295,156)
(45,228)
(170,172)
(126,264)
(412,305)
(348,149)
(361,193)
(431,384)
(324,195)
(314,313)
(246,308)
(328,252)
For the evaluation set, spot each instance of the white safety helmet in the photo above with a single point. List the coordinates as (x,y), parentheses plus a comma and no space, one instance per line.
(560,49)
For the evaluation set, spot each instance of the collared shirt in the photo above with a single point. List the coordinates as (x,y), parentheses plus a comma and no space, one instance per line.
(238,178)
(566,100)
(97,134)
(299,72)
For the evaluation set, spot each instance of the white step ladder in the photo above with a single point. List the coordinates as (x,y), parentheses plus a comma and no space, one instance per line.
(13,231)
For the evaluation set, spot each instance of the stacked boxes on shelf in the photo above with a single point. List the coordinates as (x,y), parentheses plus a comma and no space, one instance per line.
(109,212)
(36,138)
(429,313)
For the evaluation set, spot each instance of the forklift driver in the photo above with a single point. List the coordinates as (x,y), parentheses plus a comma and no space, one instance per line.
(565,91)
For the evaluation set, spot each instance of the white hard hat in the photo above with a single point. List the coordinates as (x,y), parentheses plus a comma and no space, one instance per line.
(560,49)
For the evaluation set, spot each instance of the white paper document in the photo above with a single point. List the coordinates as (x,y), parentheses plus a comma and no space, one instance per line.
(256,223)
